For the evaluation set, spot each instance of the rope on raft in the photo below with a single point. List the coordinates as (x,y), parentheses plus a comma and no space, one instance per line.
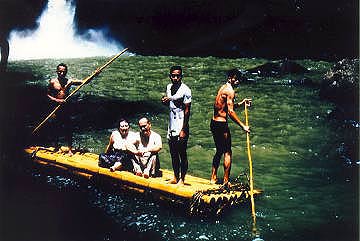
(197,205)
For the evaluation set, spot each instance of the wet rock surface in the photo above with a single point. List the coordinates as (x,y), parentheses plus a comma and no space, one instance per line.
(340,85)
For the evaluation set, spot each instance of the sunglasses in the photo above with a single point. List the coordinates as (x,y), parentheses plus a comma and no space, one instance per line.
(124,125)
(175,75)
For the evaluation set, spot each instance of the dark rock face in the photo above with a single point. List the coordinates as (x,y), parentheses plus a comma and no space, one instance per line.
(278,68)
(341,85)
(240,28)
(16,14)
(19,14)
(322,29)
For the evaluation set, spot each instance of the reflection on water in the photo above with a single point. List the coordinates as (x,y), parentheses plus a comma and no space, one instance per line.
(307,193)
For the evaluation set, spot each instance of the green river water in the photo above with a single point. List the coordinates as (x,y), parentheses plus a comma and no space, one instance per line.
(308,194)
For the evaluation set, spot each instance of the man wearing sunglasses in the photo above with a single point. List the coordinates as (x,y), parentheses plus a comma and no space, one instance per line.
(146,148)
(178,98)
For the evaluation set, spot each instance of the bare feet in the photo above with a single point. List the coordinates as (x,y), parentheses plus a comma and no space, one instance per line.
(173,181)
(116,166)
(65,150)
(138,174)
(146,175)
(213,181)
(70,153)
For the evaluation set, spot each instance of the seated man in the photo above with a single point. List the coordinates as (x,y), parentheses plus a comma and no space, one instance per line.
(116,155)
(147,146)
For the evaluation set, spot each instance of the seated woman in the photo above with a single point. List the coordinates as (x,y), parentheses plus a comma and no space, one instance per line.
(117,156)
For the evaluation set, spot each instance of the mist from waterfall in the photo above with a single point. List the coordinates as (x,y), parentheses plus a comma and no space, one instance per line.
(56,37)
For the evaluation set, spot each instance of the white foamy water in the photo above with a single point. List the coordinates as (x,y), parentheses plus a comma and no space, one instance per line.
(56,37)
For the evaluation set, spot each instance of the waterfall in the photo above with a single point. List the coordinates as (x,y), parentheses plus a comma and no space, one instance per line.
(56,37)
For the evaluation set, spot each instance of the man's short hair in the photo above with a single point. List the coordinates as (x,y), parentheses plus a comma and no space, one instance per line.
(63,65)
(175,67)
(145,118)
(233,72)
(123,119)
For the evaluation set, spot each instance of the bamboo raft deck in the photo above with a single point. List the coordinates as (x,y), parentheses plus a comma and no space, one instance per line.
(195,188)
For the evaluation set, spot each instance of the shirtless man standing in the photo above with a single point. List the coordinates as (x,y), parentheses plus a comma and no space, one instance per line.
(224,107)
(58,90)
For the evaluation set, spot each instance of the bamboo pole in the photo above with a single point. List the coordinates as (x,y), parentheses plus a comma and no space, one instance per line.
(250,172)
(85,81)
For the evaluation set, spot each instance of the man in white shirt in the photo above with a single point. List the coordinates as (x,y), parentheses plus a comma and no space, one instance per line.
(178,98)
(146,148)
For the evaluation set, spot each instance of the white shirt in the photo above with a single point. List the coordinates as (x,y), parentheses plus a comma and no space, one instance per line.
(120,142)
(154,140)
(176,117)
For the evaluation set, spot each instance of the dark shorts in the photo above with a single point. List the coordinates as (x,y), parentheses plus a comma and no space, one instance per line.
(221,134)
(106,160)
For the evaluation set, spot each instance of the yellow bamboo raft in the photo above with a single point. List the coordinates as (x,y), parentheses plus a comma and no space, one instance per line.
(198,191)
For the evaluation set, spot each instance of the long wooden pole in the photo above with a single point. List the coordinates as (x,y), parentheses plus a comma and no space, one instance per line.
(84,82)
(250,171)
